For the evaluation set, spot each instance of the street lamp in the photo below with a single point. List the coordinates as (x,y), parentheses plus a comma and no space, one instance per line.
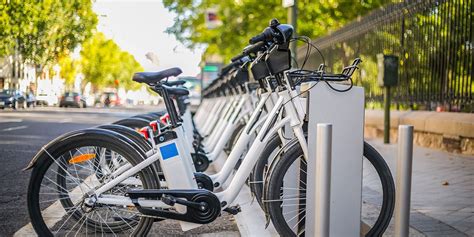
(292,17)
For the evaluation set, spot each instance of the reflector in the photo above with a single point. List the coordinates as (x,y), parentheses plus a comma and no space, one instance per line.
(81,158)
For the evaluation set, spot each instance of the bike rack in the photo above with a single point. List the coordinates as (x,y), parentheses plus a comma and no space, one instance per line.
(323,179)
(403,180)
(323,195)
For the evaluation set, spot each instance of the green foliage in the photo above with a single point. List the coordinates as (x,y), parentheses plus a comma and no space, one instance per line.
(104,64)
(69,69)
(243,19)
(43,31)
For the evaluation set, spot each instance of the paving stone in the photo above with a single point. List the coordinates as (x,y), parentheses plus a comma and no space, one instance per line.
(437,209)
(444,234)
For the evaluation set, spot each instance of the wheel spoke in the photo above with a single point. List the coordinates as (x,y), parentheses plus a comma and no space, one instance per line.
(65,184)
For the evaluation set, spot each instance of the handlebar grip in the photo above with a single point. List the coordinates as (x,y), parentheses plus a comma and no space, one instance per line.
(233,64)
(225,69)
(258,38)
(238,57)
(249,50)
(254,48)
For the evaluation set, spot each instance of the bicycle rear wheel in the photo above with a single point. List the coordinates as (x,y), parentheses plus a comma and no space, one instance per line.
(286,201)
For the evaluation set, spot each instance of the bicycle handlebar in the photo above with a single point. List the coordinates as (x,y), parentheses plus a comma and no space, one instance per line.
(276,33)
(254,48)
(235,63)
(266,35)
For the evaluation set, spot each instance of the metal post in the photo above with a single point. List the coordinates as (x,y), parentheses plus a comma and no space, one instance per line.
(386,116)
(323,179)
(292,19)
(404,172)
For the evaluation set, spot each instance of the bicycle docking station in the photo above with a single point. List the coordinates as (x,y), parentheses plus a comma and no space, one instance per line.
(308,163)
(335,142)
(334,168)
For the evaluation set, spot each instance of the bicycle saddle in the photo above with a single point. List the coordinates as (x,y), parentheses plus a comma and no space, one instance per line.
(154,77)
(175,83)
(176,91)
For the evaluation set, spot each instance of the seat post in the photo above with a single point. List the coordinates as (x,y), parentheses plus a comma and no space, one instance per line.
(169,106)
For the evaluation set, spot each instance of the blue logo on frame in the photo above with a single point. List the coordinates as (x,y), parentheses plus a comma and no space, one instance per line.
(169,151)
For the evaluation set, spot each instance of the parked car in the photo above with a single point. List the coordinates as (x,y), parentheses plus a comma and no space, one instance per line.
(72,99)
(109,99)
(30,100)
(12,99)
(46,99)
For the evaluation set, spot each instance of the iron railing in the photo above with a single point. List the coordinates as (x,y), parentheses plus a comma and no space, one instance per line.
(434,43)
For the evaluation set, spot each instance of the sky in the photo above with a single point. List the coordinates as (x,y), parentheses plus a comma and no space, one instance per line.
(138,26)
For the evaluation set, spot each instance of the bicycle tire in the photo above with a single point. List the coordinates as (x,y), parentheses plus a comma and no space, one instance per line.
(67,143)
(275,179)
(134,123)
(258,174)
(130,133)
(146,117)
(133,135)
(233,139)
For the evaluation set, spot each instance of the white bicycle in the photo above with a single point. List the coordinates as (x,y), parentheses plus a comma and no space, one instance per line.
(130,196)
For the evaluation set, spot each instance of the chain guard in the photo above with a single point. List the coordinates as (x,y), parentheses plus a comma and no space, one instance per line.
(193,214)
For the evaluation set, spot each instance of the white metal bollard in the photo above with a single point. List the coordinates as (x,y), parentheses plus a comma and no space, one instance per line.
(403,183)
(322,186)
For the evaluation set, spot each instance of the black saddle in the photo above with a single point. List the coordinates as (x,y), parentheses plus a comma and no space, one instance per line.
(175,91)
(154,77)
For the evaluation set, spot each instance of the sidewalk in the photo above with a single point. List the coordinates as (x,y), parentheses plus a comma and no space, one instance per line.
(442,199)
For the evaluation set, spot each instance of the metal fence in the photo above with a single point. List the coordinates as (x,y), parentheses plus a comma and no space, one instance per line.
(433,41)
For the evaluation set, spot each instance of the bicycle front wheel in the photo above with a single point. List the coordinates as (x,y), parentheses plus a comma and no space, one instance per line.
(60,183)
(285,193)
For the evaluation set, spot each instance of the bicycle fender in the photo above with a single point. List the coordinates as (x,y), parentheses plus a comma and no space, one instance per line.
(90,133)
(275,160)
(130,133)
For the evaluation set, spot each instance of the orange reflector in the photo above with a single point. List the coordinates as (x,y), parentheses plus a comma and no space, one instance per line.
(81,158)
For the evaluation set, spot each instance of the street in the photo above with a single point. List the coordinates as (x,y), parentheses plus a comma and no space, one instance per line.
(22,134)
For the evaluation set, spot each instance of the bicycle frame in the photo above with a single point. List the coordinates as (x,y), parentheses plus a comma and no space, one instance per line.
(270,127)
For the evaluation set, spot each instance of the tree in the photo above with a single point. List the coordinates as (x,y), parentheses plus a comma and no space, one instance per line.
(69,69)
(43,31)
(242,19)
(104,64)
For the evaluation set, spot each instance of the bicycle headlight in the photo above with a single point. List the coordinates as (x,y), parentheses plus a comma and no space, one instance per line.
(285,32)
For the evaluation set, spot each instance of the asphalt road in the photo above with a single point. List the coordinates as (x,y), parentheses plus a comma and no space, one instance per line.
(22,134)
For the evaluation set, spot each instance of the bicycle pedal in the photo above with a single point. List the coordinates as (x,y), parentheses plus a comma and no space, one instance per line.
(234,210)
